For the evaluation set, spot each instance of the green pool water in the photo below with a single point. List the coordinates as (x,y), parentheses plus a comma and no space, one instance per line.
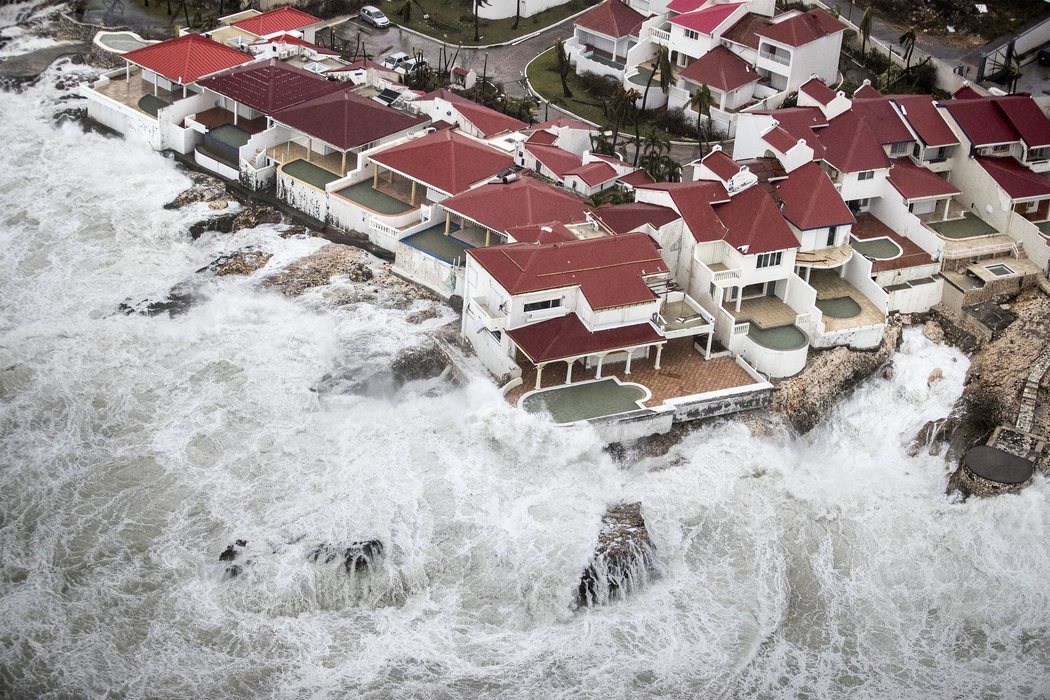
(778,337)
(877,248)
(308,172)
(151,105)
(229,135)
(434,242)
(363,193)
(839,307)
(576,402)
(969,226)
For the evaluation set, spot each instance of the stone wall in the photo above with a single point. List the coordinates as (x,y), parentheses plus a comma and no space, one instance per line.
(70,28)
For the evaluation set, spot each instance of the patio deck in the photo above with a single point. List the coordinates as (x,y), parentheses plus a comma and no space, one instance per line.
(435,243)
(374,200)
(766,312)
(869,228)
(131,93)
(683,372)
(830,286)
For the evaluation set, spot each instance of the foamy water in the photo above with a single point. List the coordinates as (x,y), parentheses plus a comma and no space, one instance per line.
(135,449)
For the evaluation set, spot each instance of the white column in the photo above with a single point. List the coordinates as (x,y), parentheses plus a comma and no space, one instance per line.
(710,337)
(627,369)
(539,374)
(739,297)
(568,371)
(601,359)
(659,352)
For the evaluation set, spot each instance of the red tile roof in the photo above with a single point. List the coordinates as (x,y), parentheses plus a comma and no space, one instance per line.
(885,122)
(445,160)
(541,138)
(637,178)
(683,6)
(1027,118)
(914,182)
(612,18)
(270,86)
(283,19)
(781,140)
(609,271)
(346,120)
(748,220)
(566,336)
(549,232)
(745,31)
(981,121)
(1016,180)
(811,200)
(487,121)
(925,120)
(966,92)
(594,173)
(866,92)
(799,123)
(555,159)
(188,58)
(295,41)
(622,218)
(850,144)
(803,28)
(818,91)
(707,20)
(718,162)
(721,69)
(523,202)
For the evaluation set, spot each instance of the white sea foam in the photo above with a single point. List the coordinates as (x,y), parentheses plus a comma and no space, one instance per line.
(135,449)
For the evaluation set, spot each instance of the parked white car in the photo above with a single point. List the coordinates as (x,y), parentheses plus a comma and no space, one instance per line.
(394,60)
(372,15)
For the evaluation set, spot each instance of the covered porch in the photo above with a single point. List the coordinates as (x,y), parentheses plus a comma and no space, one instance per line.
(337,162)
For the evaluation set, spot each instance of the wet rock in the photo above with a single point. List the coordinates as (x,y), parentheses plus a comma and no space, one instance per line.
(218,204)
(424,314)
(221,224)
(205,188)
(77,115)
(241,543)
(359,557)
(177,301)
(421,362)
(229,554)
(624,560)
(888,372)
(249,217)
(933,331)
(830,375)
(240,262)
(935,376)
(317,269)
(234,571)
(456,302)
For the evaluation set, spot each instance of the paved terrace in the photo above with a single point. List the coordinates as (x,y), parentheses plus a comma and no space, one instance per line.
(765,312)
(136,93)
(868,228)
(683,372)
(830,287)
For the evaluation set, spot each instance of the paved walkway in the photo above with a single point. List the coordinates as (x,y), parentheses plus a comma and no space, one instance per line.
(28,66)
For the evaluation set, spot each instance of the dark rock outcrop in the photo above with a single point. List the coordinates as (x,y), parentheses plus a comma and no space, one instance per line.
(250,216)
(359,558)
(205,188)
(240,262)
(624,560)
(177,301)
(318,269)
(421,362)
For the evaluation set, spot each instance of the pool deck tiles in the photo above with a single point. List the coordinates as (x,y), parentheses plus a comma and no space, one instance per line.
(830,286)
(868,226)
(683,372)
(766,312)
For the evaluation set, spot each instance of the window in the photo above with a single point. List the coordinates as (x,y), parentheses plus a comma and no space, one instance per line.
(690,34)
(769,259)
(540,305)
(866,175)
(1001,148)
(832,233)
(1032,207)
(901,148)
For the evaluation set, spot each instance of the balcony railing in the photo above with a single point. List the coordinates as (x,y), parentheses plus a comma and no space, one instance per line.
(783,59)
(494,320)
(659,35)
(727,275)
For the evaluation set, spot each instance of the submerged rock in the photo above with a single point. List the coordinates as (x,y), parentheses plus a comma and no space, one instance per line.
(624,560)
(249,217)
(177,301)
(421,362)
(205,188)
(240,262)
(318,269)
(359,557)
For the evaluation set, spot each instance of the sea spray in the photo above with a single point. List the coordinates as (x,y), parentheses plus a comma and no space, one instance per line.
(135,449)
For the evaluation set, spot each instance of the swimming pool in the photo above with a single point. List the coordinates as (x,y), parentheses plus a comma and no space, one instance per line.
(121,42)
(779,337)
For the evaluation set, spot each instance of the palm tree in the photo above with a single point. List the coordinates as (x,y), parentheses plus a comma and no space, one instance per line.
(1014,72)
(907,42)
(865,32)
(700,101)
(661,65)
(563,66)
(672,169)
(622,105)
(477,4)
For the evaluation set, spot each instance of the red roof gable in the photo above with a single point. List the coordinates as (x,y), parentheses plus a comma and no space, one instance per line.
(556,160)
(1016,180)
(781,140)
(295,41)
(523,202)
(803,28)
(811,200)
(566,337)
(721,69)
(594,173)
(487,121)
(346,120)
(983,123)
(187,59)
(549,232)
(270,86)
(541,138)
(638,177)
(609,270)
(1027,118)
(798,123)
(612,18)
(683,6)
(623,218)
(283,19)
(866,92)
(851,145)
(966,92)
(914,182)
(445,160)
(707,20)
(718,162)
(925,120)
(745,31)
(818,91)
(885,122)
